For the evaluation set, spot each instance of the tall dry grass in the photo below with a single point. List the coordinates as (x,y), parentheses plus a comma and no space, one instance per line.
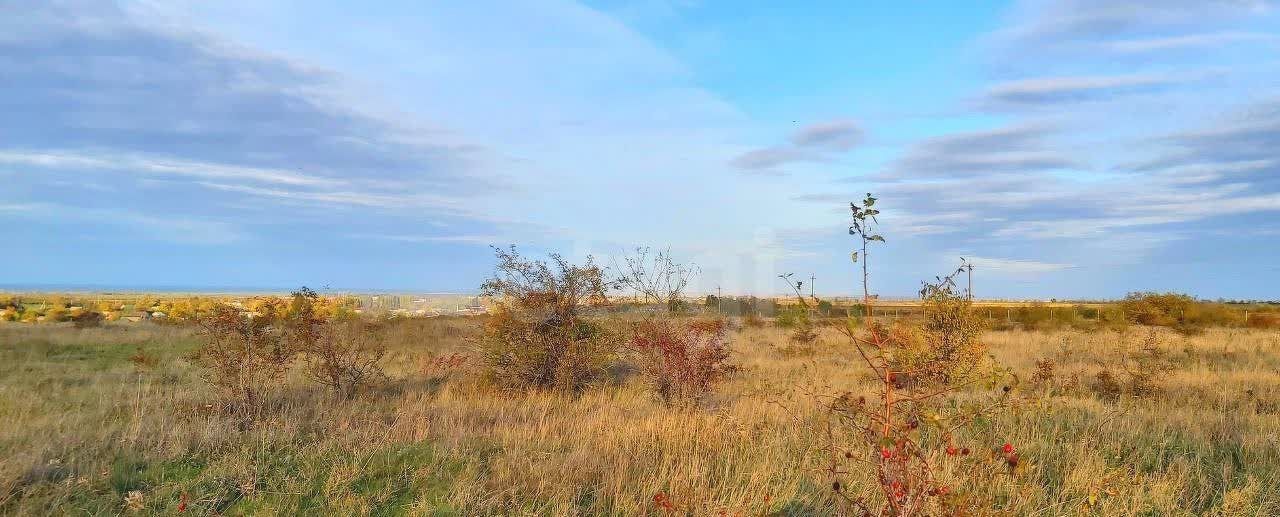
(82,427)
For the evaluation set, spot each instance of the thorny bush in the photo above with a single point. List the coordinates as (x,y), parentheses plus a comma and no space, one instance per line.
(342,353)
(907,431)
(243,356)
(681,361)
(1142,367)
(905,434)
(346,356)
(537,337)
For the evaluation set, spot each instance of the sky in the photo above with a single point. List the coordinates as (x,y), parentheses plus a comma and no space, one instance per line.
(1073,149)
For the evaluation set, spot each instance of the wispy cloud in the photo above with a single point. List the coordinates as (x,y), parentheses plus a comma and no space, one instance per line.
(1188,41)
(465,239)
(1039,21)
(1021,148)
(1051,90)
(158,165)
(764,161)
(354,198)
(818,142)
(834,135)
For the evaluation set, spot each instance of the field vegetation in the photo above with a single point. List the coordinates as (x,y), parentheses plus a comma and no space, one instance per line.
(118,418)
(562,401)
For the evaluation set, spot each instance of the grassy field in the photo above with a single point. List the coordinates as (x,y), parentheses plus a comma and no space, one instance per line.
(116,420)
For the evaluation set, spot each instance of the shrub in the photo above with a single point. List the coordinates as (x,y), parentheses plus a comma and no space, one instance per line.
(537,338)
(1264,320)
(242,356)
(1106,386)
(800,317)
(905,433)
(341,352)
(681,361)
(804,335)
(1179,311)
(950,332)
(87,319)
(1189,329)
(1044,373)
(657,277)
(55,313)
(1142,366)
(346,356)
(790,317)
(143,360)
(909,426)
(443,366)
(520,354)
(1113,318)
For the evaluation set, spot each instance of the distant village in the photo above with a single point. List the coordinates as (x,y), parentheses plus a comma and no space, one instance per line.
(132,308)
(412,305)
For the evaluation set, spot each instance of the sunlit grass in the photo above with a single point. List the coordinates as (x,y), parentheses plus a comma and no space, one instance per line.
(83,426)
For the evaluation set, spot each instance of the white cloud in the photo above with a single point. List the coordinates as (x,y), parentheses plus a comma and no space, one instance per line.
(1016,266)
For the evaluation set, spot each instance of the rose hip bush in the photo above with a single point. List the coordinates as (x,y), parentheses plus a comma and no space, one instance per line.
(681,361)
(906,434)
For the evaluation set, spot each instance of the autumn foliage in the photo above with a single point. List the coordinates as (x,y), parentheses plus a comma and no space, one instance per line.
(681,361)
(538,338)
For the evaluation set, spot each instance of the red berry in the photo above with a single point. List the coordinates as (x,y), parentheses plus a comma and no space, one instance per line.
(951,451)
(1008,448)
(886,453)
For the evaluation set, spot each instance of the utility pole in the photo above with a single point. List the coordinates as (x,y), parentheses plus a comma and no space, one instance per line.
(811,279)
(969,267)
(719,302)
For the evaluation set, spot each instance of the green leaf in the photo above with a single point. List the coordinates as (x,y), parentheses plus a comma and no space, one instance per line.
(875,238)
(854,256)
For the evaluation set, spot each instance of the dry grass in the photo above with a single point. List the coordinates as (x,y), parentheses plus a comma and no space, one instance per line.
(81,427)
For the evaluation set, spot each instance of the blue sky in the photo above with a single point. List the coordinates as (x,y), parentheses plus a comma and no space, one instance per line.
(1075,149)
